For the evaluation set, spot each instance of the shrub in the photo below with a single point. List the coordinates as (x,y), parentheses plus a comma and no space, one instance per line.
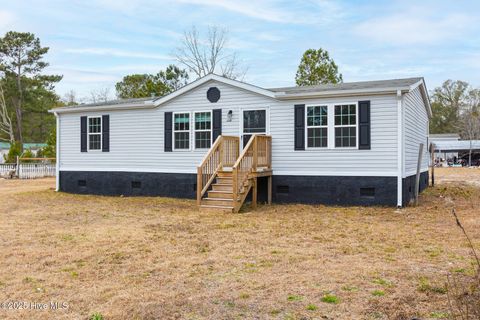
(28,154)
(50,150)
(14,152)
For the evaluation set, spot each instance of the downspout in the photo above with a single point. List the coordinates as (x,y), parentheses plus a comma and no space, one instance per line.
(399,149)
(57,153)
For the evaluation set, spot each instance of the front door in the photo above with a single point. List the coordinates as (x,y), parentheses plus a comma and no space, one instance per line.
(254,121)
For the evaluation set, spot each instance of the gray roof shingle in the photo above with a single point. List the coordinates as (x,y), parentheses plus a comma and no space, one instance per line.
(360,85)
(114,102)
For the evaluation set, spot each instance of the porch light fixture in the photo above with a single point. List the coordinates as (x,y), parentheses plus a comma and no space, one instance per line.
(229,116)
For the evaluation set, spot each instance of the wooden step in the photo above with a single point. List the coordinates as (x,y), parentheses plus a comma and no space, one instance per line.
(224,180)
(226,174)
(218,202)
(222,187)
(228,209)
(220,194)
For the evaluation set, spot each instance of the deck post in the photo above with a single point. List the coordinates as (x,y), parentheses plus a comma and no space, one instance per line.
(254,193)
(235,187)
(269,199)
(419,167)
(221,146)
(199,185)
(432,154)
(255,153)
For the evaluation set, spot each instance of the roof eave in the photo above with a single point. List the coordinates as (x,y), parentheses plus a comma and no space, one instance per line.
(337,93)
(214,77)
(425,96)
(127,106)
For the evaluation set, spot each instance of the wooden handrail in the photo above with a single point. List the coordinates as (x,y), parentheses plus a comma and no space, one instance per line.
(244,151)
(257,153)
(222,153)
(210,151)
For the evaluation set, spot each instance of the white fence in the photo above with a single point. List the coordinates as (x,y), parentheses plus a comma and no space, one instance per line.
(6,168)
(30,170)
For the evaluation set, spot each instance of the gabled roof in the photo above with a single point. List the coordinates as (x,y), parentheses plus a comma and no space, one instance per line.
(118,104)
(115,102)
(286,93)
(214,77)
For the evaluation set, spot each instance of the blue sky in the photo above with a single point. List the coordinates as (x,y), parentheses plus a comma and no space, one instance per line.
(95,43)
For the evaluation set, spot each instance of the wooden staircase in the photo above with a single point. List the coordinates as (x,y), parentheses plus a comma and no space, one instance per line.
(227,178)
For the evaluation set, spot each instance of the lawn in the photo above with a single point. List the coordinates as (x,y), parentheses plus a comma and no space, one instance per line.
(160,258)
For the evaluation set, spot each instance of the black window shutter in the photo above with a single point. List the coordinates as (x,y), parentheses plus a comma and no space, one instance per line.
(216,124)
(299,127)
(105,133)
(168,132)
(83,134)
(364,125)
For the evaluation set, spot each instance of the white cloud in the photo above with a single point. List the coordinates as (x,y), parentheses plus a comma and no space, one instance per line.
(309,13)
(414,27)
(267,36)
(117,53)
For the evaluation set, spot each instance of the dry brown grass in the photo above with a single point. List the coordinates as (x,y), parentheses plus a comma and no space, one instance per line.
(159,258)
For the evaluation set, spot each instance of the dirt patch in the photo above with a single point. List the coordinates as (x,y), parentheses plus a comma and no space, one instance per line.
(160,258)
(460,175)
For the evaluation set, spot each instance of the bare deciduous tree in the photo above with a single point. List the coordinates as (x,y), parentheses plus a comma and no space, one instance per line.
(203,56)
(5,121)
(70,98)
(470,119)
(100,95)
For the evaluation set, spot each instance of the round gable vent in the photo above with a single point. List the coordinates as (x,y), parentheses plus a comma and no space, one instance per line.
(213,94)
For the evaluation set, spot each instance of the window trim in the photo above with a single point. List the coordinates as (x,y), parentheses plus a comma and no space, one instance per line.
(253,108)
(311,127)
(330,127)
(202,130)
(345,126)
(189,130)
(99,134)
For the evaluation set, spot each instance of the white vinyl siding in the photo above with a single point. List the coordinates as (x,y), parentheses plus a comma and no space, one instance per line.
(137,137)
(415,132)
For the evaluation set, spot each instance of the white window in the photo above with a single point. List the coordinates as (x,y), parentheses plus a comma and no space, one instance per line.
(94,133)
(317,127)
(203,129)
(345,125)
(181,131)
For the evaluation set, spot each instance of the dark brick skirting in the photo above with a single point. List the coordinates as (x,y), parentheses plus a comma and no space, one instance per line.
(408,184)
(332,190)
(335,190)
(178,185)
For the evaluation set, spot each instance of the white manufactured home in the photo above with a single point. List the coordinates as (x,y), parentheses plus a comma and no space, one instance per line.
(216,139)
